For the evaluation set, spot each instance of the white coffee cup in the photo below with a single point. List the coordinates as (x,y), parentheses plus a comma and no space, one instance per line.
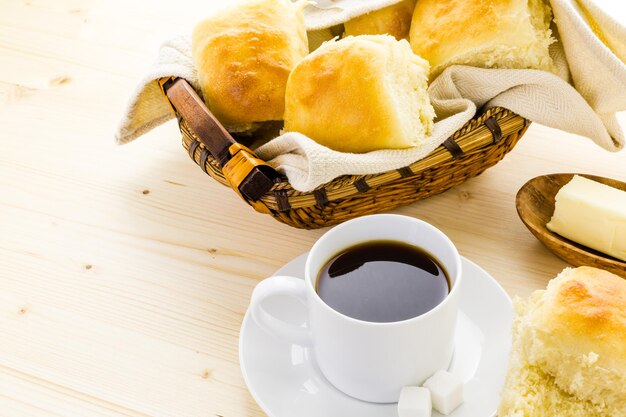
(368,360)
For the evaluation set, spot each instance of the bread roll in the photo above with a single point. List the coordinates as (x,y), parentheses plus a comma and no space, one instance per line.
(569,351)
(394,20)
(360,94)
(244,56)
(487,34)
(530,392)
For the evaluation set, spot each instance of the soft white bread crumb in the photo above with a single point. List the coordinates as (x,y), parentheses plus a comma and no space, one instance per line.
(569,349)
(529,392)
(414,402)
(446,391)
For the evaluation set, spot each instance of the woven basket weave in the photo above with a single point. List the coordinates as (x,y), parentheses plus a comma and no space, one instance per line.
(478,145)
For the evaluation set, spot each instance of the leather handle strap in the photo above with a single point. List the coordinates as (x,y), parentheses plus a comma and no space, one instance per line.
(248,175)
(200,120)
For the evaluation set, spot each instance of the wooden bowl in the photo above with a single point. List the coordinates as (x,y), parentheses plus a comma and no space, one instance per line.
(535,206)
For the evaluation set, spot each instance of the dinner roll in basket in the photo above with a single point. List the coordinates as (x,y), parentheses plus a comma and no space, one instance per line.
(487,34)
(394,20)
(244,56)
(360,94)
(569,349)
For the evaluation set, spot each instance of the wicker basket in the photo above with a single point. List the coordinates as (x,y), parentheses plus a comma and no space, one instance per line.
(478,145)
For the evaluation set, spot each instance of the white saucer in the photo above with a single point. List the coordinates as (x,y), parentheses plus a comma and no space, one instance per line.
(285,381)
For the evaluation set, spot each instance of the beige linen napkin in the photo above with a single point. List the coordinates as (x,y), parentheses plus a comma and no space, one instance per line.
(148,107)
(598,73)
(585,107)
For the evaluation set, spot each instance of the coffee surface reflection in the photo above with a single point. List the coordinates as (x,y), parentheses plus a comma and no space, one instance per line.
(383,281)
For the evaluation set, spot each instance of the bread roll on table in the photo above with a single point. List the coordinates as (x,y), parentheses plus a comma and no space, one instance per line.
(487,34)
(394,20)
(244,56)
(569,351)
(360,94)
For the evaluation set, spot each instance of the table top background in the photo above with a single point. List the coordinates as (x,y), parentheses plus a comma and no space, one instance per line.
(125,272)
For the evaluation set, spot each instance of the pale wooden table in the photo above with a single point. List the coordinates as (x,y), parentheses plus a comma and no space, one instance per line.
(125,272)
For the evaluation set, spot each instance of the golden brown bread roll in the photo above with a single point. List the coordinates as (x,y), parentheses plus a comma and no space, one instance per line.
(394,20)
(569,352)
(244,56)
(360,94)
(487,34)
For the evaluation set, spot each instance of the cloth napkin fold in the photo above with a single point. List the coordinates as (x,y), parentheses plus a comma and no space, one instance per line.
(583,99)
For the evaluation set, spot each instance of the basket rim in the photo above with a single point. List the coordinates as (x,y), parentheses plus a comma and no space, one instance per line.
(491,128)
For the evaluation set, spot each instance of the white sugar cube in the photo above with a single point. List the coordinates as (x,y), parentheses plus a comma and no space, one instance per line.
(414,402)
(446,391)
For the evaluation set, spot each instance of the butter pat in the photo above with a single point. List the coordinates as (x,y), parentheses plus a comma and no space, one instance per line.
(593,215)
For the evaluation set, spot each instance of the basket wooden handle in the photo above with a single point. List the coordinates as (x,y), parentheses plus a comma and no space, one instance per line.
(248,175)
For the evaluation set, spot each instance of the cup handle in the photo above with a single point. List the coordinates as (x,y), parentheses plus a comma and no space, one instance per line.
(280,285)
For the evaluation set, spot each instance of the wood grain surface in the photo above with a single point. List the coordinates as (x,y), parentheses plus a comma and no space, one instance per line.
(125,271)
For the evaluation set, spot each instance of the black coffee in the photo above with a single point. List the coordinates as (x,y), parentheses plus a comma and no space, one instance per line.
(383,281)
